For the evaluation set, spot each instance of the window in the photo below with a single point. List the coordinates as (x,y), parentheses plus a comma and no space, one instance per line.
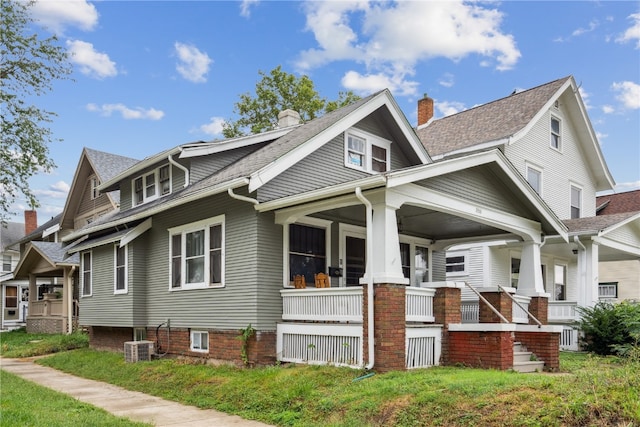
(608,290)
(94,188)
(560,281)
(139,334)
(555,133)
(6,262)
(456,263)
(366,151)
(197,255)
(11,297)
(515,272)
(200,341)
(534,177)
(86,274)
(576,202)
(420,265)
(307,251)
(152,185)
(120,269)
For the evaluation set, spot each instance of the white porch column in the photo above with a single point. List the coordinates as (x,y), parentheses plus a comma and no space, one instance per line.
(67,297)
(530,279)
(33,288)
(588,273)
(387,264)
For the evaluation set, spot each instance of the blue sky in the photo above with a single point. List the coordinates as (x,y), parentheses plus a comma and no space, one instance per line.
(152,75)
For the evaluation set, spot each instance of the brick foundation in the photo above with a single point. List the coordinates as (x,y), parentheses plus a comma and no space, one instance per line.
(46,325)
(481,349)
(545,345)
(539,308)
(109,338)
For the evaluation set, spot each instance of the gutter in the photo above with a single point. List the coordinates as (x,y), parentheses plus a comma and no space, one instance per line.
(179,166)
(241,197)
(370,317)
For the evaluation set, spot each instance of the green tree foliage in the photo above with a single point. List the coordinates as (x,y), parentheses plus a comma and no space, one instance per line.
(28,66)
(275,92)
(610,328)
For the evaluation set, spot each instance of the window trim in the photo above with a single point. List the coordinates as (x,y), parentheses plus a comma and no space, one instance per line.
(156,185)
(465,263)
(370,140)
(539,170)
(202,225)
(565,278)
(573,185)
(124,290)
(310,222)
(7,260)
(191,341)
(552,133)
(83,269)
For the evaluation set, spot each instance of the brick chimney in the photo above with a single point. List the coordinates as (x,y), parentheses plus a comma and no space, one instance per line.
(425,110)
(30,221)
(288,118)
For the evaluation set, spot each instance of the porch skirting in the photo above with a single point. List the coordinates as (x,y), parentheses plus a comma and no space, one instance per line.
(46,325)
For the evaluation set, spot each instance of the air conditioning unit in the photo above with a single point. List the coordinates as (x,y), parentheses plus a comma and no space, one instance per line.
(136,351)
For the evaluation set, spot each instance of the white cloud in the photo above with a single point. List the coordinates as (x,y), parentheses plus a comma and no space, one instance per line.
(193,64)
(92,63)
(365,84)
(627,186)
(585,97)
(628,93)
(592,26)
(447,80)
(214,127)
(392,37)
(447,108)
(245,7)
(608,109)
(127,113)
(633,32)
(58,190)
(57,15)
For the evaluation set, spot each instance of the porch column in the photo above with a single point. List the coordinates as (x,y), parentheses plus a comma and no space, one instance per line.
(33,289)
(530,279)
(588,273)
(387,264)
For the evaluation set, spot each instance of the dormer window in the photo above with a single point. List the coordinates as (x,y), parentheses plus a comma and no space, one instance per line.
(555,133)
(366,152)
(152,185)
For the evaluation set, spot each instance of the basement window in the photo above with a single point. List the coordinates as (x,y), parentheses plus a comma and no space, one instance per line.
(200,341)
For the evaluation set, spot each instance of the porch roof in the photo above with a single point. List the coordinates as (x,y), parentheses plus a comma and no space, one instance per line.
(45,259)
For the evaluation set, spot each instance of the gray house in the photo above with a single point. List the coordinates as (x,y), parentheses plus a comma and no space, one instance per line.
(213,238)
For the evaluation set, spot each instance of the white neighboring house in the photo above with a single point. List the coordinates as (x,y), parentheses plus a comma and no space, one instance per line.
(14,292)
(547,136)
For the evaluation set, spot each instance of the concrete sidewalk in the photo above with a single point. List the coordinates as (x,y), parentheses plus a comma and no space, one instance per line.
(130,404)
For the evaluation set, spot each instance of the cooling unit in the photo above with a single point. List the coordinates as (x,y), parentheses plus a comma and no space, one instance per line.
(136,351)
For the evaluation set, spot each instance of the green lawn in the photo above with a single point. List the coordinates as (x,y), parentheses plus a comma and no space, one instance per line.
(590,391)
(24,403)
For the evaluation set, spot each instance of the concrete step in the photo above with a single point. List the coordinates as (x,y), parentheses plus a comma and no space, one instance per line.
(522,356)
(532,366)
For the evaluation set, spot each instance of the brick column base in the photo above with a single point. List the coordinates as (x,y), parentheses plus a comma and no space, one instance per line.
(446,310)
(539,307)
(390,327)
(501,302)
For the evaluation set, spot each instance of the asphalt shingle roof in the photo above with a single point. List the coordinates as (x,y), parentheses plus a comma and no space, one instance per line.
(10,232)
(107,165)
(617,203)
(493,121)
(56,253)
(596,223)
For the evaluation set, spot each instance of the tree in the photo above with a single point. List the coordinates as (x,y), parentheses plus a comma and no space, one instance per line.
(28,66)
(275,92)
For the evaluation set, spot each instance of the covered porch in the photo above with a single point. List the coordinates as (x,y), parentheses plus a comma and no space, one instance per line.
(54,310)
(389,305)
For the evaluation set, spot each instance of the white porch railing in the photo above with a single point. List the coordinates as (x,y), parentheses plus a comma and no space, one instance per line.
(519,312)
(322,304)
(608,291)
(562,311)
(419,304)
(423,347)
(470,311)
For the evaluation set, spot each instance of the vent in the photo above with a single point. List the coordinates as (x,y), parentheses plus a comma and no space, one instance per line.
(136,351)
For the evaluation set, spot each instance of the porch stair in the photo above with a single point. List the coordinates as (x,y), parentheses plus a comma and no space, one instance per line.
(522,360)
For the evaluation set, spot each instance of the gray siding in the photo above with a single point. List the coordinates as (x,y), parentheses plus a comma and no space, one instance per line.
(126,185)
(203,166)
(88,205)
(438,266)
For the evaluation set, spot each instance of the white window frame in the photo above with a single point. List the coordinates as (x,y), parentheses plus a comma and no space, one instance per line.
(311,222)
(369,141)
(465,263)
(84,269)
(555,282)
(116,267)
(95,193)
(200,335)
(7,261)
(413,242)
(537,170)
(553,134)
(155,184)
(573,186)
(203,225)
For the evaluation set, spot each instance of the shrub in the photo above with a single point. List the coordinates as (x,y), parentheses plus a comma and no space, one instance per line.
(610,329)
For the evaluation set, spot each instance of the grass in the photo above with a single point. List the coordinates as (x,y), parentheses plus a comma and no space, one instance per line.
(18,343)
(590,391)
(24,403)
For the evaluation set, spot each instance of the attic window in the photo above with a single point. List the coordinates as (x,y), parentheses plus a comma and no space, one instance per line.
(366,152)
(94,188)
(555,133)
(152,185)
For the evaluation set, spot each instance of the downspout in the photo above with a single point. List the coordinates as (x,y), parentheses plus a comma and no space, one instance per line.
(241,197)
(371,329)
(178,165)
(70,301)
